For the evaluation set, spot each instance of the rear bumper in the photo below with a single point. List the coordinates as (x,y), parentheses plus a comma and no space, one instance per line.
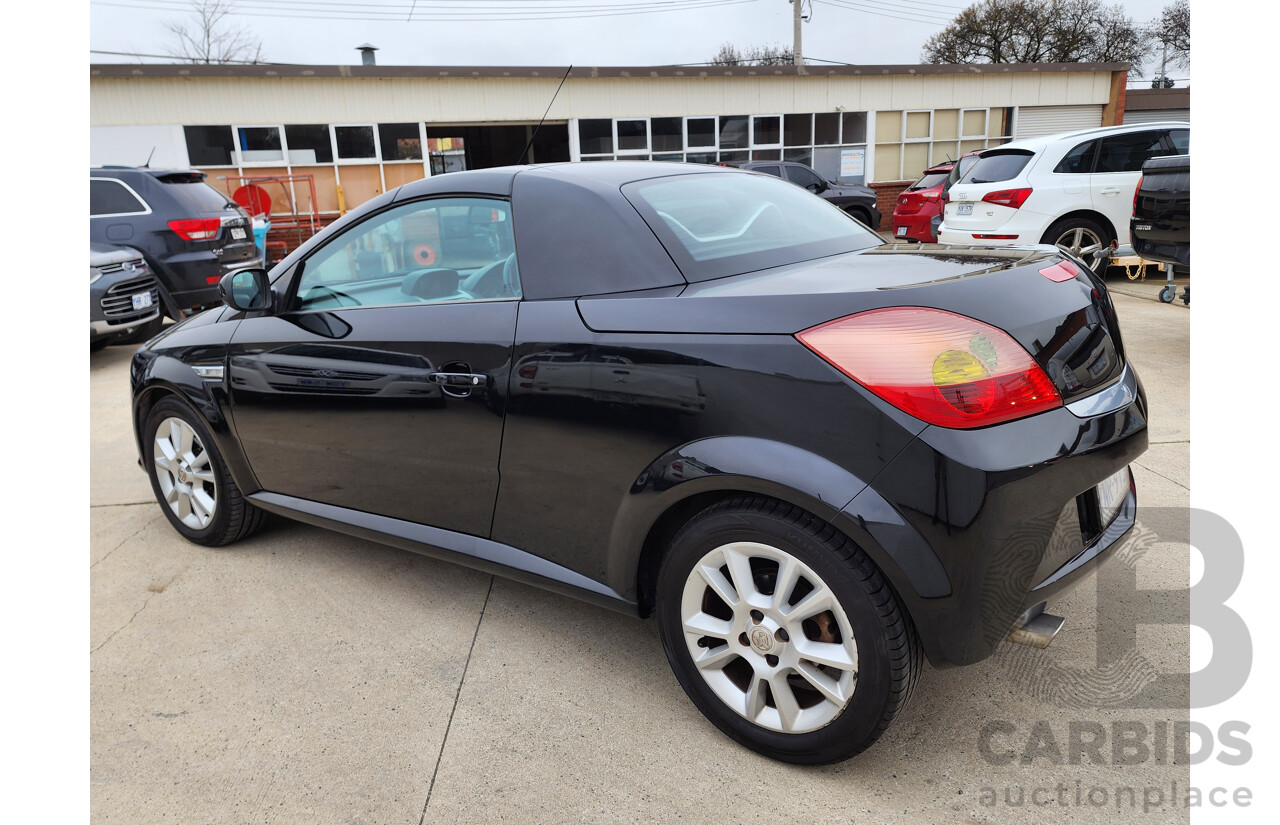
(914,227)
(1004,525)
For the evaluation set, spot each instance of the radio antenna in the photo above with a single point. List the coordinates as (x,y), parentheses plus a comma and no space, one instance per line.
(532,137)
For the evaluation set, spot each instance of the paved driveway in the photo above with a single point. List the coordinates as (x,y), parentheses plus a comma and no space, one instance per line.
(304,676)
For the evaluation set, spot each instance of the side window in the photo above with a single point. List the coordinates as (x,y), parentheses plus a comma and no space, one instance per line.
(1079,161)
(1127,153)
(803,176)
(111,197)
(1181,140)
(444,249)
(770,170)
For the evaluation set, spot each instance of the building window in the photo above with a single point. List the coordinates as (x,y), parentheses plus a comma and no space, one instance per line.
(400,141)
(665,132)
(355,143)
(908,142)
(701,133)
(209,145)
(633,136)
(309,144)
(735,139)
(259,144)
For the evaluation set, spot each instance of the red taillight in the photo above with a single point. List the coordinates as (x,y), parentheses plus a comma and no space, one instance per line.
(943,368)
(1134,211)
(197,229)
(1012,198)
(996,237)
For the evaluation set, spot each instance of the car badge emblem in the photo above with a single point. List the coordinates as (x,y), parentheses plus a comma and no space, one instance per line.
(324,373)
(129,266)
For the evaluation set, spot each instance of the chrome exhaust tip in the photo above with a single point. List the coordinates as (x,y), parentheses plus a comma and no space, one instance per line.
(1035,628)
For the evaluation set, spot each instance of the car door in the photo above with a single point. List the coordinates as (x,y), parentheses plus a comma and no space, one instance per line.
(382,386)
(1116,172)
(806,178)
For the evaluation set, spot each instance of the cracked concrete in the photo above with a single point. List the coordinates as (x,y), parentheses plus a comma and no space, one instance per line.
(303,676)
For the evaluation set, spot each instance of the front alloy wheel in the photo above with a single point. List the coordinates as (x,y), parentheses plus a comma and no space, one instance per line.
(190,480)
(184,474)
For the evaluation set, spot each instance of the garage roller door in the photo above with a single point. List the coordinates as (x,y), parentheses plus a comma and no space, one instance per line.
(1034,121)
(1157,115)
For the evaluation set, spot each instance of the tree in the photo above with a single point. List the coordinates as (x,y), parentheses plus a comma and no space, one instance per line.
(1173,27)
(211,37)
(774,55)
(1039,31)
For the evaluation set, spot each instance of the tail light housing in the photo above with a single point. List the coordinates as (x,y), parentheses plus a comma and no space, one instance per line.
(1133,213)
(1012,198)
(943,368)
(196,229)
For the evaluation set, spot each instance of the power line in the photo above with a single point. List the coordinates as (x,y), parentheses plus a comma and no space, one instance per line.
(424,12)
(886,11)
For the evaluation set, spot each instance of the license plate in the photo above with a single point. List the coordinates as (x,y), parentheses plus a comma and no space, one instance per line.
(141,301)
(237,233)
(1111,494)
(964,209)
(902,230)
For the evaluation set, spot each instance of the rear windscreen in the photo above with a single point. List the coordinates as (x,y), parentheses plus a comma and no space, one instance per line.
(726,224)
(928,181)
(995,168)
(194,194)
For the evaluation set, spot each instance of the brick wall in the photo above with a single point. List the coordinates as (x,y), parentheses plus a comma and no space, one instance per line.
(886,198)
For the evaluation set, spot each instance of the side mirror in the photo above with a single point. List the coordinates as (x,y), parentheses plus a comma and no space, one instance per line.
(246,291)
(817,188)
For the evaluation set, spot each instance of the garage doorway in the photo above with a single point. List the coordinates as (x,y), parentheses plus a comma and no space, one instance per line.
(454,148)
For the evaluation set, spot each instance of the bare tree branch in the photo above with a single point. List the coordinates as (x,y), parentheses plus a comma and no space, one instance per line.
(1174,28)
(211,37)
(1039,31)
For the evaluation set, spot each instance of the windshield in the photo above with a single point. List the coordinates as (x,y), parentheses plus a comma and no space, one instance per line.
(726,224)
(196,195)
(963,165)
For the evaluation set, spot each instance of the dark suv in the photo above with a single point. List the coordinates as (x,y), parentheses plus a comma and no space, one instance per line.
(190,233)
(858,200)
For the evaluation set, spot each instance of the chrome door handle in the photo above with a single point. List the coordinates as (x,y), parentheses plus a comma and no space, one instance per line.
(1110,191)
(459,379)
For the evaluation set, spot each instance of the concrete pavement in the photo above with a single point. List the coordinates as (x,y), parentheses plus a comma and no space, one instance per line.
(305,676)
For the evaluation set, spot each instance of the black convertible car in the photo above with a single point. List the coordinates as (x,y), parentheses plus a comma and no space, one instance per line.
(689,392)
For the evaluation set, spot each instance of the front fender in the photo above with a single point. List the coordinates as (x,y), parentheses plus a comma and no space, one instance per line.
(156,375)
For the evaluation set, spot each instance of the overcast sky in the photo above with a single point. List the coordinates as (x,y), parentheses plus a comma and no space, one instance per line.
(327,31)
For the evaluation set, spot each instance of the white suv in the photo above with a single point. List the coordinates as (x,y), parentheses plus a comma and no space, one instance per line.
(1074,189)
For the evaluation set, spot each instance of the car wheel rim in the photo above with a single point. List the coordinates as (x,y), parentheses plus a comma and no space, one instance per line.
(769,637)
(185,473)
(1080,242)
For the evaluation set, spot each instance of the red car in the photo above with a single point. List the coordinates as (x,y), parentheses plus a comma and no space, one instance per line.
(916,207)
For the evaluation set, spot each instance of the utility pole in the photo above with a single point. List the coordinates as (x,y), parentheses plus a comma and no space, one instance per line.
(797,58)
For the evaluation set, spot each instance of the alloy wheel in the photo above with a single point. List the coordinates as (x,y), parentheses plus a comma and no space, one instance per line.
(1080,241)
(185,474)
(769,637)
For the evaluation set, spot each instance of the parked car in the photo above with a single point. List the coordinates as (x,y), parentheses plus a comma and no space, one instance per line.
(918,204)
(858,200)
(958,170)
(1160,228)
(877,455)
(123,294)
(190,233)
(1073,189)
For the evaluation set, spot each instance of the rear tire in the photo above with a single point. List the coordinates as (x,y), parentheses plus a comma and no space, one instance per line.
(1081,237)
(801,651)
(190,479)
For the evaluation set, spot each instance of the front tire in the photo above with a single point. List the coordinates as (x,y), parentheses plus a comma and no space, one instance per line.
(783,633)
(190,479)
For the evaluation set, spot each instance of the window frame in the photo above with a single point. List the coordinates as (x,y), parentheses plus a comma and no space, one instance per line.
(338,160)
(146,206)
(298,272)
(237,154)
(377,143)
